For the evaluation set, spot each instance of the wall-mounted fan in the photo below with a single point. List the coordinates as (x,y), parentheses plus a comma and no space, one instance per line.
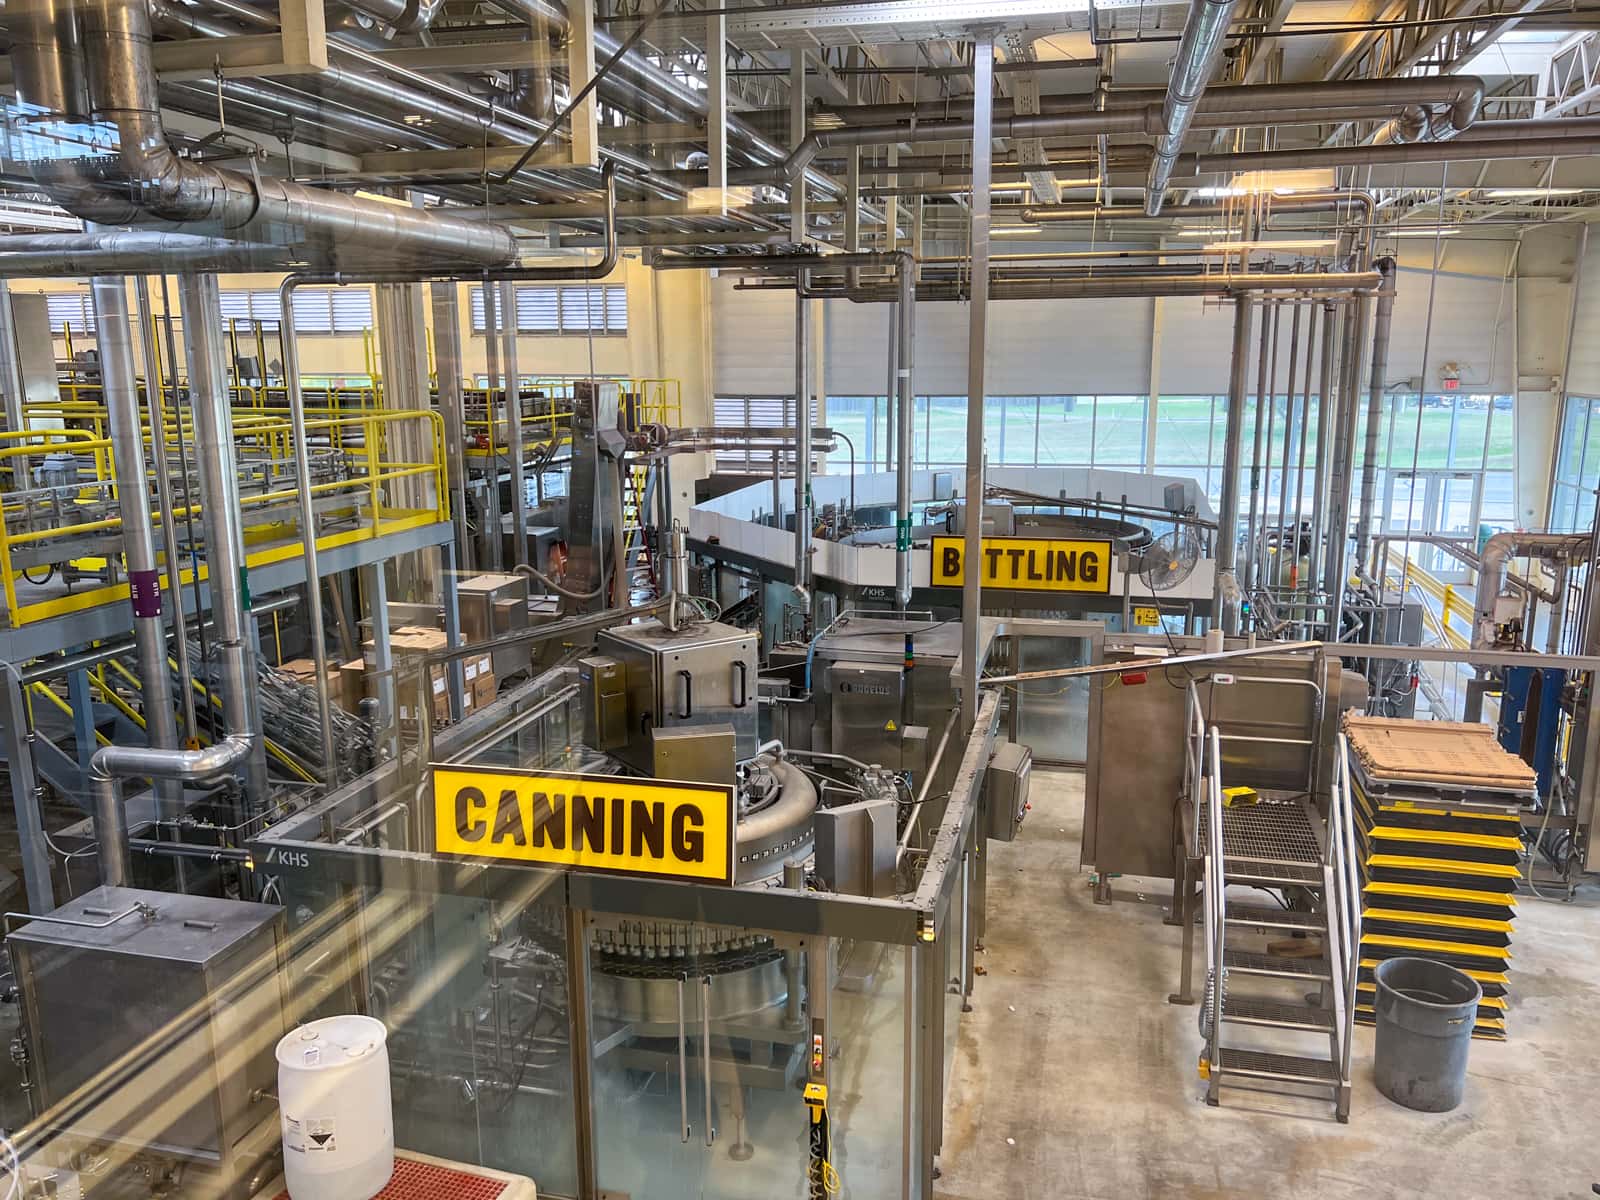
(1170,559)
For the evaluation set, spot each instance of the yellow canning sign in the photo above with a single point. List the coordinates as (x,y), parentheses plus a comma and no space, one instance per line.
(1029,564)
(588,822)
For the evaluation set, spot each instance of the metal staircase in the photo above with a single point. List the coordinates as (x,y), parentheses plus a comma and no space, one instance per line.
(1280,975)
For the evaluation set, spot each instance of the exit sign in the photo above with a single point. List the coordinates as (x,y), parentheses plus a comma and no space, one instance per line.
(1451,385)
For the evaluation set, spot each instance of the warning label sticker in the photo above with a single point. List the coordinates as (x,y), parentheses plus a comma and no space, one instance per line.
(309,1135)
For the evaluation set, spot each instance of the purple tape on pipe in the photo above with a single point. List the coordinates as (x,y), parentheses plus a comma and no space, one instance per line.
(144,588)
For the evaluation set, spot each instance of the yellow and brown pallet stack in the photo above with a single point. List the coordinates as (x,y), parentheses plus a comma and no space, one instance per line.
(1437,821)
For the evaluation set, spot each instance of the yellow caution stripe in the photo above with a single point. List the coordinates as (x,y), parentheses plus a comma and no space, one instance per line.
(1484,1002)
(1417,891)
(1442,919)
(1444,837)
(1446,866)
(1500,977)
(1462,948)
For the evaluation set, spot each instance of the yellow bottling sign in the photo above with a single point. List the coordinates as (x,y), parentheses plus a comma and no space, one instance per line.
(1029,564)
(589,822)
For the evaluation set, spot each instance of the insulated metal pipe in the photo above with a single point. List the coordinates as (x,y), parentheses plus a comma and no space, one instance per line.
(149,181)
(120,387)
(977,346)
(1269,337)
(905,414)
(892,389)
(154,387)
(445,297)
(308,522)
(513,377)
(1578,144)
(802,454)
(1384,313)
(1327,415)
(1300,464)
(1279,576)
(129,251)
(111,764)
(1205,34)
(1233,449)
(1339,504)
(219,489)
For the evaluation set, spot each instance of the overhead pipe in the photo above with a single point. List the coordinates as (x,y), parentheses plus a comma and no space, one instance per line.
(404,16)
(1094,287)
(1493,585)
(1580,143)
(130,252)
(1376,390)
(1204,35)
(147,181)
(1298,202)
(111,764)
(120,390)
(1430,123)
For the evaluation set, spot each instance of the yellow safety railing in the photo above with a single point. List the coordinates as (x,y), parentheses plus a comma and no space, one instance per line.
(1450,604)
(25,444)
(40,688)
(365,440)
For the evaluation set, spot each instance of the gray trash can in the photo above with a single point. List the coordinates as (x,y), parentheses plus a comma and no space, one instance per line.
(1426,1011)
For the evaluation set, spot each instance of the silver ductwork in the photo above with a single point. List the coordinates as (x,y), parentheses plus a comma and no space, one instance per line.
(1429,123)
(130,252)
(406,16)
(1204,35)
(1495,567)
(1377,390)
(143,180)
(111,764)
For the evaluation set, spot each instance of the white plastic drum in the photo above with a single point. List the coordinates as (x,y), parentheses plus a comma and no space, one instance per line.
(337,1117)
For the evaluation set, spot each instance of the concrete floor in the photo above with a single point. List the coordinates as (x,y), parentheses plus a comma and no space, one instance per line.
(1075,1078)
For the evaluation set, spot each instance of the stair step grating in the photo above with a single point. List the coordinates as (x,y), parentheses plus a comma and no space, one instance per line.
(1248,963)
(1247,1010)
(1240,870)
(1275,916)
(1289,1068)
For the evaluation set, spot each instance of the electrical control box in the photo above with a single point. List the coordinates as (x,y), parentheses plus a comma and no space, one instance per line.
(694,753)
(1005,789)
(867,711)
(603,688)
(493,606)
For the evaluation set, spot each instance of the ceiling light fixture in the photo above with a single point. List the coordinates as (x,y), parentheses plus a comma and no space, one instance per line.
(1291,244)
(1423,232)
(1532,193)
(1208,233)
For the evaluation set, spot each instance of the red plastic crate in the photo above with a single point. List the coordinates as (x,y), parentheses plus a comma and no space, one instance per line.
(414,1180)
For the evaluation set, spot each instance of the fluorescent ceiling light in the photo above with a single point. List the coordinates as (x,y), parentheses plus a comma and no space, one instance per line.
(1422,232)
(897,12)
(1303,244)
(1219,193)
(1208,233)
(1015,230)
(1283,182)
(1532,193)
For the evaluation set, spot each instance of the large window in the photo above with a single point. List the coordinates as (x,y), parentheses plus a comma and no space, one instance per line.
(556,310)
(1577,466)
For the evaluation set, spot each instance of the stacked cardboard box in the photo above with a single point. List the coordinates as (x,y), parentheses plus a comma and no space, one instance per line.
(1437,820)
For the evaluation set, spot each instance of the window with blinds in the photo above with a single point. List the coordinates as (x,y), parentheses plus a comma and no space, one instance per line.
(72,311)
(555,310)
(746,412)
(316,310)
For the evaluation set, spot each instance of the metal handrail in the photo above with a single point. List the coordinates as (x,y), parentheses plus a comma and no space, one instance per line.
(1215,872)
(1352,890)
(1194,756)
(1343,906)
